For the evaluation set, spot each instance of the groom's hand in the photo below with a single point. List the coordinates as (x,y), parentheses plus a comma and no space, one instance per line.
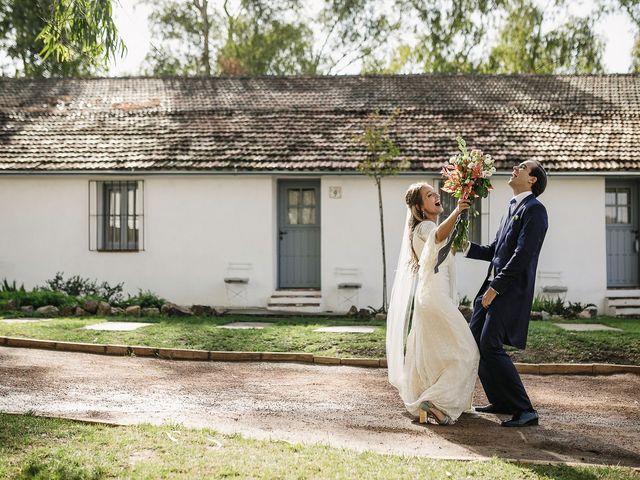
(488,297)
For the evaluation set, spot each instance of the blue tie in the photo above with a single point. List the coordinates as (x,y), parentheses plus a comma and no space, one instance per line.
(512,206)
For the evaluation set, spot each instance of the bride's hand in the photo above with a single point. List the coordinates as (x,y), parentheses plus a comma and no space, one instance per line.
(463,204)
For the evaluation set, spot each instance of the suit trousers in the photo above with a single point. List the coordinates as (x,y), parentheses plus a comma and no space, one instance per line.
(498,374)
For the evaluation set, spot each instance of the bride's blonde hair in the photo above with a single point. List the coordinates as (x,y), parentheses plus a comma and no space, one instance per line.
(413,199)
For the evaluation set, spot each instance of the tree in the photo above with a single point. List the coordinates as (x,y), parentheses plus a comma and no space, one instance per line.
(524,47)
(21,22)
(183,35)
(81,27)
(381,161)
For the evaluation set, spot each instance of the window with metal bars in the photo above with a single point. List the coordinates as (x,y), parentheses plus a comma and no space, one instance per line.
(116,214)
(449,203)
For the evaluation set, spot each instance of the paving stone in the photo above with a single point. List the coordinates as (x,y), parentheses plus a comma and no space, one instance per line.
(26,320)
(245,325)
(585,327)
(346,329)
(117,326)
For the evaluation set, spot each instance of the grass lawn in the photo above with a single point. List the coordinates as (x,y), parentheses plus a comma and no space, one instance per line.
(39,448)
(547,342)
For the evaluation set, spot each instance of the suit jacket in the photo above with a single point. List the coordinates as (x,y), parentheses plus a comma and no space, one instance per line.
(514,256)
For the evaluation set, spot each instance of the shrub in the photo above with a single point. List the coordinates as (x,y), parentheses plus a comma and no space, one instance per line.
(83,287)
(146,299)
(5,286)
(556,306)
(39,297)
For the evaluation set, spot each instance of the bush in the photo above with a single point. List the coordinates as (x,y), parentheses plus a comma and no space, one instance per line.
(146,299)
(39,297)
(556,306)
(5,286)
(77,286)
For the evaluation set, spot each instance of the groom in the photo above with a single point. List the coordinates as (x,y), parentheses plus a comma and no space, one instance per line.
(502,308)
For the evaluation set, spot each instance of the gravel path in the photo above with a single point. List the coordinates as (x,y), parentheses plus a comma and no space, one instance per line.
(583,418)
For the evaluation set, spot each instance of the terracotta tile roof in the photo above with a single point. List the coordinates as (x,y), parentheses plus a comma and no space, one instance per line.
(570,123)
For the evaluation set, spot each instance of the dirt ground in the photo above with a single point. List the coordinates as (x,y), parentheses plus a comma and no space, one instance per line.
(583,418)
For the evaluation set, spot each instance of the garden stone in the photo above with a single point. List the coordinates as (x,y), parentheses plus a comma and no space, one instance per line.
(364,314)
(11,304)
(80,312)
(28,309)
(150,312)
(593,311)
(203,311)
(104,308)
(90,306)
(381,317)
(353,311)
(48,311)
(535,316)
(545,316)
(117,311)
(67,311)
(133,311)
(584,314)
(176,310)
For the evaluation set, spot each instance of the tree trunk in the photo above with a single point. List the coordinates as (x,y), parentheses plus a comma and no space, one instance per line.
(203,7)
(384,255)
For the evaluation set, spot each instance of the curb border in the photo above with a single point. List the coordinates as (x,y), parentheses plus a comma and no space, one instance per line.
(295,357)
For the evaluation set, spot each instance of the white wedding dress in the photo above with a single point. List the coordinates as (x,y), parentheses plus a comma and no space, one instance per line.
(441,356)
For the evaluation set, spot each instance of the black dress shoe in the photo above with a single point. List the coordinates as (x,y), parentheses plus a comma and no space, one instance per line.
(522,419)
(491,408)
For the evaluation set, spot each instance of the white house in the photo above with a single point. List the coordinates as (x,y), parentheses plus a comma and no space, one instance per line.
(244,191)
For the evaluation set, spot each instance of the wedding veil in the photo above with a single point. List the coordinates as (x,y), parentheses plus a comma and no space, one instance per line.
(399,314)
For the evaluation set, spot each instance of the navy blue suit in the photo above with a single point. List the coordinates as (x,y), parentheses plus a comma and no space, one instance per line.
(514,257)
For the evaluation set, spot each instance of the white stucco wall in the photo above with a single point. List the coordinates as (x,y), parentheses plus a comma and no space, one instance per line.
(195,225)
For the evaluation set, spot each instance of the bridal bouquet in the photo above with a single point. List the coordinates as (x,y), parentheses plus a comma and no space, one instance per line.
(467,176)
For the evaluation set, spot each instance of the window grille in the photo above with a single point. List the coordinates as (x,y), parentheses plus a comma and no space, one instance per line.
(116,216)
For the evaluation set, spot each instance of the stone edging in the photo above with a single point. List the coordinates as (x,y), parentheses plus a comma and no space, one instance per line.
(217,356)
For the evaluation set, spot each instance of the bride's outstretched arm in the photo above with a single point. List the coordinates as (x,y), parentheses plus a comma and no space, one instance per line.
(444,229)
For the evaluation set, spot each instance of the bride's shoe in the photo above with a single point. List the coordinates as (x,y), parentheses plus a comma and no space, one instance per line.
(427,409)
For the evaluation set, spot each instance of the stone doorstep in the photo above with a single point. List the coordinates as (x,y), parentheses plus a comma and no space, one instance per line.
(26,320)
(586,327)
(246,325)
(204,355)
(117,326)
(347,329)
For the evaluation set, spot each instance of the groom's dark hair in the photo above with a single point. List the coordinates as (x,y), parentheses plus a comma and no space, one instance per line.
(541,178)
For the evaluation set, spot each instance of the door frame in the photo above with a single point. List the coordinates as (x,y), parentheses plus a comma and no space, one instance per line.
(281,184)
(634,184)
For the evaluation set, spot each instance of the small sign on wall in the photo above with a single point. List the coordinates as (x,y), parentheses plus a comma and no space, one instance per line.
(335,192)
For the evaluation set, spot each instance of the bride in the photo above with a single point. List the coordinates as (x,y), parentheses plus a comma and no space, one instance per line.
(431,354)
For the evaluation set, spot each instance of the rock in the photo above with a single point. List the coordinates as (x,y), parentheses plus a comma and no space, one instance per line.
(203,311)
(536,316)
(132,311)
(593,311)
(150,312)
(90,306)
(364,314)
(48,311)
(175,310)
(11,304)
(117,311)
(381,317)
(80,312)
(353,311)
(584,314)
(466,312)
(28,309)
(103,309)
(67,311)
(545,316)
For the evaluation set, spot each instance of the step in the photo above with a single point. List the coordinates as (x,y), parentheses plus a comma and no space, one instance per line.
(623,302)
(623,293)
(625,311)
(294,308)
(294,301)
